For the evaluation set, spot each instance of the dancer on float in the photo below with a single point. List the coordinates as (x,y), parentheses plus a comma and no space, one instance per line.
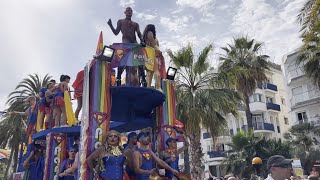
(171,154)
(67,163)
(31,112)
(131,147)
(110,158)
(73,169)
(78,91)
(149,36)
(44,107)
(35,163)
(59,111)
(144,158)
(129,29)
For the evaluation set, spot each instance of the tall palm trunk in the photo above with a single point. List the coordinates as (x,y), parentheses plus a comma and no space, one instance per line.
(8,165)
(15,158)
(196,155)
(186,159)
(248,113)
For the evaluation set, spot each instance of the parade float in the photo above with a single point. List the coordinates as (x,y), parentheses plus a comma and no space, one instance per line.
(128,107)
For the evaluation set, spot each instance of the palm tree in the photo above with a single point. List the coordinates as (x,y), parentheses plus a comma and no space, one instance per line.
(245,68)
(12,128)
(305,145)
(309,52)
(308,16)
(246,146)
(202,100)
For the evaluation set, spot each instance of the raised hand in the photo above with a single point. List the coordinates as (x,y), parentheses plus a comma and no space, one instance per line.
(109,22)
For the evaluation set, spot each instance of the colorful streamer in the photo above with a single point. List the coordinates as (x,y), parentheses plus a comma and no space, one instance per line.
(56,153)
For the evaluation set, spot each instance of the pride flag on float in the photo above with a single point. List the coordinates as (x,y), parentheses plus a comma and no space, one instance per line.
(96,110)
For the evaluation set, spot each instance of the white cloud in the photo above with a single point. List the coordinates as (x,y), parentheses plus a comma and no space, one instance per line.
(145,16)
(127,3)
(223,7)
(198,4)
(276,27)
(175,23)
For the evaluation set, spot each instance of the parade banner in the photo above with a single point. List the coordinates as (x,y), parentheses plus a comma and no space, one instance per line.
(132,54)
(96,111)
(56,153)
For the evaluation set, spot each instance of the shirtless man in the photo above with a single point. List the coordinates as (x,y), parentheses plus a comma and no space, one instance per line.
(128,29)
(143,159)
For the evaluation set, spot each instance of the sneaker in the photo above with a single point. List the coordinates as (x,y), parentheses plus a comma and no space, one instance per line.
(64,125)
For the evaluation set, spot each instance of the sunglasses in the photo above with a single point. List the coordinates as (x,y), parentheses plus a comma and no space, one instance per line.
(72,151)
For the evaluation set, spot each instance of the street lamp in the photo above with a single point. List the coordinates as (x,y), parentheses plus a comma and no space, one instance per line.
(106,54)
(171,73)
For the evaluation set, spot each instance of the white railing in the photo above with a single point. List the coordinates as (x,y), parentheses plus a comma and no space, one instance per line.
(294,74)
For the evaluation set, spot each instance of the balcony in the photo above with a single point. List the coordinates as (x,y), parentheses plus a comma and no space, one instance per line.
(263,127)
(273,107)
(257,107)
(305,98)
(206,135)
(270,87)
(216,154)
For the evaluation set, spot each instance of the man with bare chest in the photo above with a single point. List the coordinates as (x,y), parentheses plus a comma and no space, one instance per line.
(128,29)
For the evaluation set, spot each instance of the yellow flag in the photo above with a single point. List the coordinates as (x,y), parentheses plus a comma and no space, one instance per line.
(149,62)
(69,111)
(38,121)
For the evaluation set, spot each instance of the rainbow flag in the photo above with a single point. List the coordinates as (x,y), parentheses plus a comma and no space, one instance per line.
(97,110)
(166,115)
(100,44)
(56,153)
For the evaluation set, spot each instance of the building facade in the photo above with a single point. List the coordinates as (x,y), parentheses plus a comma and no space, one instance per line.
(270,117)
(304,96)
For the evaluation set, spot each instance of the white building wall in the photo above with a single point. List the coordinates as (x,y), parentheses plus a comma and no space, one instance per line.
(304,97)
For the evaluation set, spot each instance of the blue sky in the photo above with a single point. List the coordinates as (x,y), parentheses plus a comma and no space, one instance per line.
(60,36)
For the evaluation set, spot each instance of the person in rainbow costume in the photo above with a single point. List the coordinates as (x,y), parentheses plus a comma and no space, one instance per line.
(78,91)
(110,157)
(131,147)
(31,112)
(67,163)
(143,159)
(34,164)
(171,154)
(58,101)
(44,107)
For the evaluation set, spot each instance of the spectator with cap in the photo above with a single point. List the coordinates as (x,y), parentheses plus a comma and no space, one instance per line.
(171,154)
(279,167)
(131,147)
